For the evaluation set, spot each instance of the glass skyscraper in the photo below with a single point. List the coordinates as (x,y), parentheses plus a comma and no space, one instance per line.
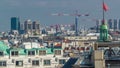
(15,23)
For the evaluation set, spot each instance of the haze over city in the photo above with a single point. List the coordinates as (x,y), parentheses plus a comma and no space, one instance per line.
(41,10)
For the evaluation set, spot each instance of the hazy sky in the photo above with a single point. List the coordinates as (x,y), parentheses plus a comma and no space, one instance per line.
(41,10)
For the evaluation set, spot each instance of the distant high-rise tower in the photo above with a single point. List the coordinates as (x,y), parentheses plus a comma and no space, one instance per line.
(21,28)
(15,23)
(98,23)
(110,24)
(119,24)
(36,27)
(115,24)
(31,27)
(73,27)
(28,26)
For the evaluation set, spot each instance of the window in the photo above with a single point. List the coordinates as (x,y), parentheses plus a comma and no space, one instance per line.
(42,52)
(57,52)
(2,63)
(62,61)
(14,53)
(19,63)
(30,53)
(1,53)
(35,62)
(47,62)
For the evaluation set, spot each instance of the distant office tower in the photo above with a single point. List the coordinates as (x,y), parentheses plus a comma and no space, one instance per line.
(119,24)
(36,27)
(15,23)
(98,23)
(21,28)
(28,26)
(72,27)
(110,24)
(115,24)
(31,27)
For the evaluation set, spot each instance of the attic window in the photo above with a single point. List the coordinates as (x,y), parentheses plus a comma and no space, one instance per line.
(14,53)
(42,52)
(31,53)
(1,53)
(57,52)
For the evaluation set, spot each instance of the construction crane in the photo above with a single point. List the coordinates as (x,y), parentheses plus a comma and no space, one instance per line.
(76,15)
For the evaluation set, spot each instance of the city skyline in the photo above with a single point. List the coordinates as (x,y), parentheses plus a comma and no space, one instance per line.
(41,10)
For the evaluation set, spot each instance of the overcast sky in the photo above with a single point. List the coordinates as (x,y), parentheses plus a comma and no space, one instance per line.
(41,10)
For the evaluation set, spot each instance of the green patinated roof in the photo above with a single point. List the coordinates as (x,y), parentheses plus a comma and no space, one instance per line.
(41,48)
(49,51)
(3,47)
(33,49)
(103,27)
(20,50)
(1,35)
(57,48)
(7,50)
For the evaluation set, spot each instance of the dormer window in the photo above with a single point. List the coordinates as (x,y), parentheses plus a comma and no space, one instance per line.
(14,53)
(42,52)
(31,53)
(1,53)
(57,52)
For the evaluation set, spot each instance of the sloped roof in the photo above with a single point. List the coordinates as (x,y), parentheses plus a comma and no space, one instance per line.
(47,49)
(70,63)
(3,46)
(20,50)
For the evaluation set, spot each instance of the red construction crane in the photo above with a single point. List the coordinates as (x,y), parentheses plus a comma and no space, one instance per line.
(76,18)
